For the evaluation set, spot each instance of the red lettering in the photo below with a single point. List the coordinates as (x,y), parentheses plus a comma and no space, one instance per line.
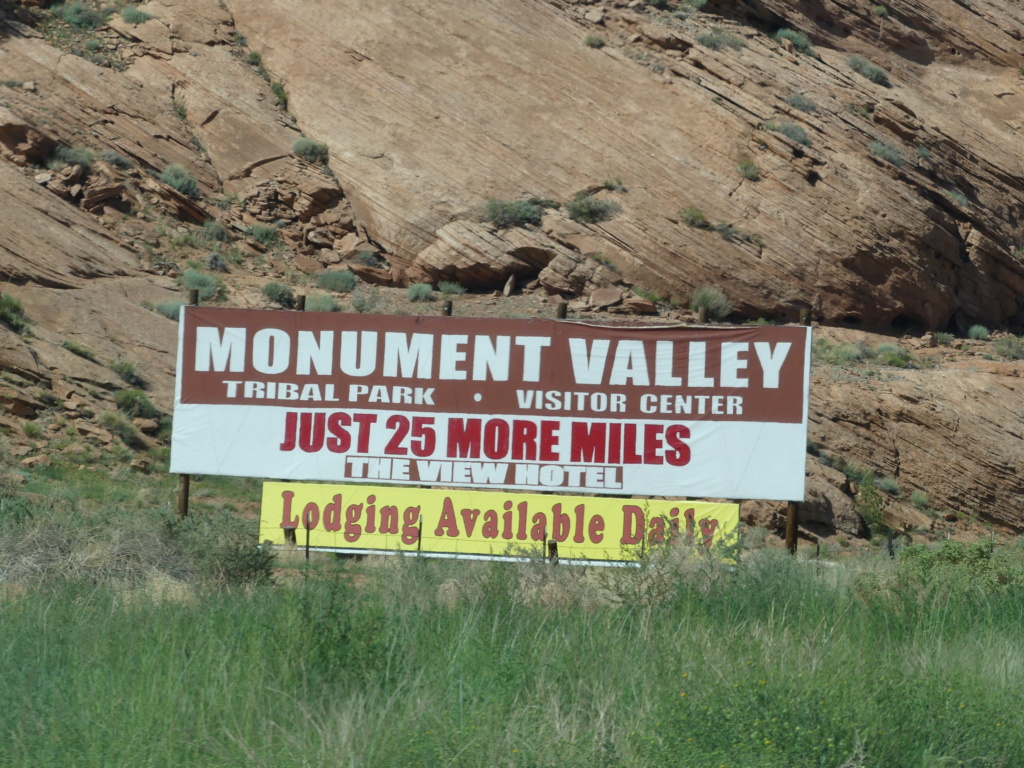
(521,532)
(524,440)
(496,438)
(469,517)
(332,514)
(310,516)
(447,524)
(632,524)
(652,442)
(339,442)
(588,442)
(560,524)
(410,531)
(364,420)
(311,432)
(464,438)
(674,436)
(290,420)
(490,529)
(287,521)
(539,530)
(707,530)
(389,519)
(596,529)
(548,441)
(629,454)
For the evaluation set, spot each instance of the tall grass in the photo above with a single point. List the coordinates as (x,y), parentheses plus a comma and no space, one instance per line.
(407,663)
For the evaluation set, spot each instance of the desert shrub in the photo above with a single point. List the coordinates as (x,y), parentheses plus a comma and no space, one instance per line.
(588,209)
(790,130)
(978,333)
(32,430)
(120,426)
(263,234)
(887,152)
(924,153)
(254,59)
(65,156)
(79,15)
(132,15)
(177,177)
(718,38)
(945,339)
(749,170)
(865,68)
(593,41)
(321,303)
(128,372)
(77,349)
(367,300)
(369,258)
(1011,347)
(11,312)
(506,214)
(957,197)
(450,289)
(93,45)
(798,39)
(612,185)
(880,11)
(339,281)
(890,354)
(215,231)
(194,280)
(311,151)
(171,309)
(957,566)
(421,292)
(801,102)
(279,294)
(135,404)
(712,298)
(830,353)
(216,263)
(280,95)
(110,157)
(919,499)
(887,484)
(693,217)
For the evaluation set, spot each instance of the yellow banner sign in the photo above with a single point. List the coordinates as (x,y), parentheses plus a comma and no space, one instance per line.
(485,523)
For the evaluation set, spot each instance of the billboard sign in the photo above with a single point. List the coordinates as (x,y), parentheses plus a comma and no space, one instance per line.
(566,407)
(361,519)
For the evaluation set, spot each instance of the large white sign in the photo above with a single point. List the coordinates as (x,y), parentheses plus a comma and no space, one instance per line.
(478,402)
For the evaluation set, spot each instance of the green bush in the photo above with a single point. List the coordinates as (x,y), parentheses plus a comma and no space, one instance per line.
(978,333)
(749,170)
(693,217)
(890,354)
(120,426)
(957,197)
(421,292)
(593,41)
(880,11)
(93,45)
(216,263)
(263,235)
(713,299)
(790,130)
(177,177)
(450,289)
(887,152)
(718,38)
(311,151)
(170,309)
(919,499)
(12,313)
(215,231)
(77,349)
(801,102)
(322,303)
(279,294)
(865,68)
(506,214)
(254,59)
(367,300)
(924,153)
(339,281)
(369,258)
(65,156)
(194,280)
(110,157)
(1011,347)
(960,567)
(798,39)
(133,15)
(830,353)
(588,209)
(280,95)
(135,404)
(945,339)
(128,372)
(79,15)
(888,484)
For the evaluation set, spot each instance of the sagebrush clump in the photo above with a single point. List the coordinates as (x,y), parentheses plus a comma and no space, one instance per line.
(713,299)
(311,151)
(176,176)
(798,39)
(887,152)
(865,68)
(505,214)
(588,209)
(279,294)
(790,130)
(421,292)
(339,281)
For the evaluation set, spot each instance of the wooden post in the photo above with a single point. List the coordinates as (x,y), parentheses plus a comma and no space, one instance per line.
(183,483)
(805,317)
(300,303)
(702,314)
(791,510)
(888,544)
(446,308)
(193,297)
(561,310)
(553,552)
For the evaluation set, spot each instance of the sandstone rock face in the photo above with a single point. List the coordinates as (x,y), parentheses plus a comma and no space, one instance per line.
(427,111)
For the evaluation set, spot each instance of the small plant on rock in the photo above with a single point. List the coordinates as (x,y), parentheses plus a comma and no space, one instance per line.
(798,39)
(177,177)
(128,372)
(321,303)
(978,333)
(887,152)
(713,299)
(135,404)
(110,157)
(801,102)
(264,235)
(311,151)
(170,309)
(506,214)
(65,156)
(749,170)
(77,349)
(693,217)
(588,209)
(1011,347)
(12,313)
(280,95)
(132,15)
(421,292)
(280,294)
(450,289)
(79,15)
(339,281)
(213,230)
(367,300)
(718,38)
(790,130)
(865,68)
(594,41)
(194,280)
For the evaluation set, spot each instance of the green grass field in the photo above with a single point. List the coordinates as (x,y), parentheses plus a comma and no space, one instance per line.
(129,639)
